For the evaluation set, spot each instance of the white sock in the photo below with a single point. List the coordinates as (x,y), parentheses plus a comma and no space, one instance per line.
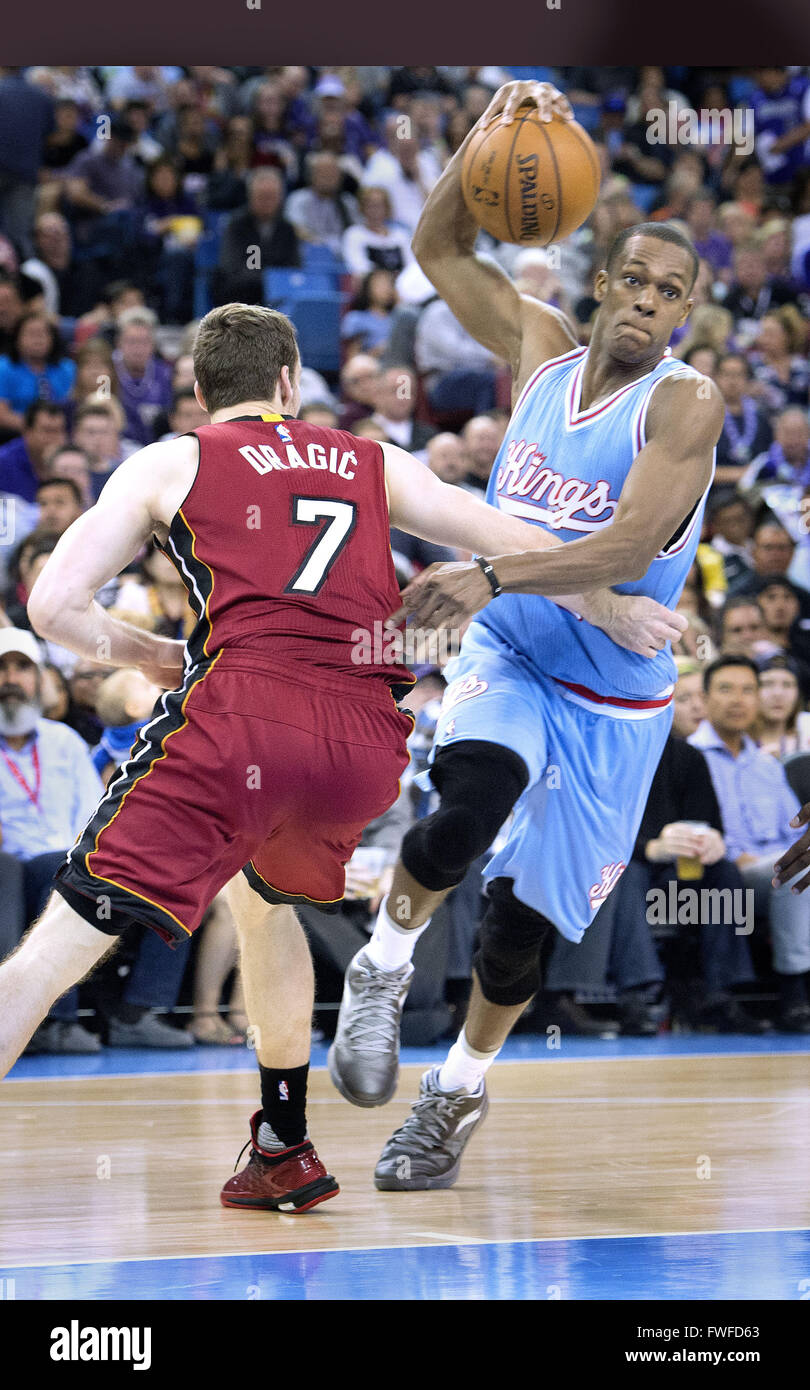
(465,1068)
(390,946)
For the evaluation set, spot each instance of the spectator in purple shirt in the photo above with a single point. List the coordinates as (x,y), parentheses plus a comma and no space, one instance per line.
(271,145)
(144,379)
(788,459)
(711,245)
(23,460)
(105,178)
(781,106)
(331,100)
(757,805)
(780,366)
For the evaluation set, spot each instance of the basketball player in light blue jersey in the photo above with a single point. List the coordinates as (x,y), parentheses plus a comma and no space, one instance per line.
(610,451)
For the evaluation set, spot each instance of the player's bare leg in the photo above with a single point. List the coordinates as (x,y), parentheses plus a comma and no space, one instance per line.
(488,1025)
(59,950)
(283,1173)
(217,956)
(277,977)
(410,905)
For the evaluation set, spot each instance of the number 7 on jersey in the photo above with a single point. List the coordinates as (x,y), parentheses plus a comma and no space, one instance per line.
(314,568)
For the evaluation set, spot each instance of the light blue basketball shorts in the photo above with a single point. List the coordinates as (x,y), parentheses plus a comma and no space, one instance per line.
(591,764)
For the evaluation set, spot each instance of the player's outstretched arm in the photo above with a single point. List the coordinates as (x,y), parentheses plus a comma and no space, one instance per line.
(424,506)
(515,327)
(98,545)
(667,479)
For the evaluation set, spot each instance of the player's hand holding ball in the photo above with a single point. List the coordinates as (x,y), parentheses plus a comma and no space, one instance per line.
(547,100)
(530,174)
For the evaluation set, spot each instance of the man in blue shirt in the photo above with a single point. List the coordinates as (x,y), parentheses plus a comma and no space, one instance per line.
(757,806)
(23,460)
(48,787)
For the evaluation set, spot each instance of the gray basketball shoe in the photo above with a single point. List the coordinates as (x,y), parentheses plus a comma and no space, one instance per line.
(364,1058)
(426,1151)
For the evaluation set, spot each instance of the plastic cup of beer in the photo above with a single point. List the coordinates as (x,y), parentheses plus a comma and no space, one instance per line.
(687,867)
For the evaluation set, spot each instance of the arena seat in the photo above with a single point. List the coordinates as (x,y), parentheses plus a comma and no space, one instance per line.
(322,259)
(206,259)
(317,324)
(281,285)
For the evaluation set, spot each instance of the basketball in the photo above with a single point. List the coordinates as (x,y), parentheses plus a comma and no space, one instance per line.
(531,182)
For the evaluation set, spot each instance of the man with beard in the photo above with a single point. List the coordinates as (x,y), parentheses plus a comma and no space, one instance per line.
(48,786)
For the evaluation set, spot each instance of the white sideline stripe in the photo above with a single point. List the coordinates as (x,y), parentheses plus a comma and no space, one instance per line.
(408,1245)
(552,1055)
(451,1239)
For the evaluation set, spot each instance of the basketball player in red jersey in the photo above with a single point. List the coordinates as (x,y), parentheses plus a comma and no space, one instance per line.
(271,749)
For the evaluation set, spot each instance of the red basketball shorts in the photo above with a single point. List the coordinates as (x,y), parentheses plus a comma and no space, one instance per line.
(274,772)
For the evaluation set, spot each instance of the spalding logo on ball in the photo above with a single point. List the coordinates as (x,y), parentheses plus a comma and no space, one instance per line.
(530,182)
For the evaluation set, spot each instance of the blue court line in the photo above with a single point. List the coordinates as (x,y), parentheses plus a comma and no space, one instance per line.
(768,1265)
(526,1048)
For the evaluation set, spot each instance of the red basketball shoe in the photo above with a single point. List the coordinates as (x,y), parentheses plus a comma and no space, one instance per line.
(290,1180)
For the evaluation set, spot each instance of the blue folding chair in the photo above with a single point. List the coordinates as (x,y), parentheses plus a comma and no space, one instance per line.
(317,324)
(206,259)
(281,286)
(323,259)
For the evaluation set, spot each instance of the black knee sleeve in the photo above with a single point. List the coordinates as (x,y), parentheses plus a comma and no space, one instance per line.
(507,961)
(478,783)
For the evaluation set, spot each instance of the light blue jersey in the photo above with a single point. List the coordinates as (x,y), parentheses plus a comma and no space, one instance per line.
(588,718)
(563,468)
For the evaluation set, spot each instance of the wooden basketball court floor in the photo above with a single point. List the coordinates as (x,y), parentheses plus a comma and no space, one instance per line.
(673,1168)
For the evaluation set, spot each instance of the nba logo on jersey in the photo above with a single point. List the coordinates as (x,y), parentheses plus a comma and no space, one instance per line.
(599,892)
(283,1089)
(284,434)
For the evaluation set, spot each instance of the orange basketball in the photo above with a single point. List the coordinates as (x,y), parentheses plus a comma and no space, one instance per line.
(530,182)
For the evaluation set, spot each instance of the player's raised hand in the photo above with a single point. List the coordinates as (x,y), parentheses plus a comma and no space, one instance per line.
(443,596)
(797,857)
(508,99)
(641,625)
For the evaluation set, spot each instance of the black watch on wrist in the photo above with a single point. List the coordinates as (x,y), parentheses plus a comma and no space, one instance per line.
(486,568)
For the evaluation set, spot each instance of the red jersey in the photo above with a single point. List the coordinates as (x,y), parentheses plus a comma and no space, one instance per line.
(283,543)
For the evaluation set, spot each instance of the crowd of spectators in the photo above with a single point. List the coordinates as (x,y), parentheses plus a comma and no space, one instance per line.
(132,198)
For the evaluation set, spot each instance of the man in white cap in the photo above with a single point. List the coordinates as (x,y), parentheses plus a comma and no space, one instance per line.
(48,787)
